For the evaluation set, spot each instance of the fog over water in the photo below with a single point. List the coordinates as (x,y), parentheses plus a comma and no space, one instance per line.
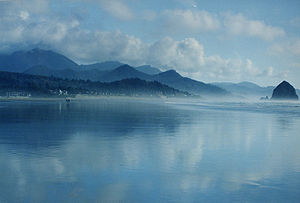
(149,150)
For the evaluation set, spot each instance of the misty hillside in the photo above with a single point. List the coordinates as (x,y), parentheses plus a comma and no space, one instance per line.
(246,89)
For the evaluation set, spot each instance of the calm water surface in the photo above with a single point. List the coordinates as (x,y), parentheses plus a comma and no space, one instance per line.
(150,151)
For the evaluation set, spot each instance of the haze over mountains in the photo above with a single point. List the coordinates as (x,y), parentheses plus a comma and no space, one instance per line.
(247,89)
(48,63)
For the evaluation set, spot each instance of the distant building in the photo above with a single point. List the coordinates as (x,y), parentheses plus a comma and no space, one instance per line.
(59,92)
(18,94)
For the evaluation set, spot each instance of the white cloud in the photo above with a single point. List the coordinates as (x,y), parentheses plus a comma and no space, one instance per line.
(190,21)
(116,8)
(251,69)
(194,21)
(90,46)
(24,15)
(240,25)
(218,68)
(270,71)
(185,55)
(291,47)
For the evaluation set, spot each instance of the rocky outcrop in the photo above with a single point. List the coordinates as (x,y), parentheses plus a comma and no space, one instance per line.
(284,91)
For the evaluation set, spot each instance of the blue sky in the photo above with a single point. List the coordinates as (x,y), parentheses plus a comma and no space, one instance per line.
(257,41)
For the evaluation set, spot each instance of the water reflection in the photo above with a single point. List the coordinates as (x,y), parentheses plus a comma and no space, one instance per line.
(137,151)
(41,125)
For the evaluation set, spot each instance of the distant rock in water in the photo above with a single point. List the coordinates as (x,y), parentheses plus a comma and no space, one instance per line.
(284,91)
(264,98)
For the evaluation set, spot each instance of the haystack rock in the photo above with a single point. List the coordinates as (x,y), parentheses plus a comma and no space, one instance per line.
(284,91)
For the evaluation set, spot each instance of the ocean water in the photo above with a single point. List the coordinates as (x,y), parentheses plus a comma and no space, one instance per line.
(129,150)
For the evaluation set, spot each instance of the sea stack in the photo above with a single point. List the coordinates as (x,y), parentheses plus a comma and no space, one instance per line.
(284,91)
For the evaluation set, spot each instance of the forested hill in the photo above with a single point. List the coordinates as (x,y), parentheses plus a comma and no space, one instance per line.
(51,86)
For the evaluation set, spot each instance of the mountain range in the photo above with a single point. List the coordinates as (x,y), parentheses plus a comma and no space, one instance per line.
(49,63)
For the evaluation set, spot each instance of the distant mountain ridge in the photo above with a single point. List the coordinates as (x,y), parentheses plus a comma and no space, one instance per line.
(50,63)
(22,60)
(248,89)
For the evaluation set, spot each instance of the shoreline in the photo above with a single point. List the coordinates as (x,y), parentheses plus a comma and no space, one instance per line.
(81,98)
(135,98)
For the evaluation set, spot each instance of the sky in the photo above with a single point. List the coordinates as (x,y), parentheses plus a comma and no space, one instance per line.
(207,40)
